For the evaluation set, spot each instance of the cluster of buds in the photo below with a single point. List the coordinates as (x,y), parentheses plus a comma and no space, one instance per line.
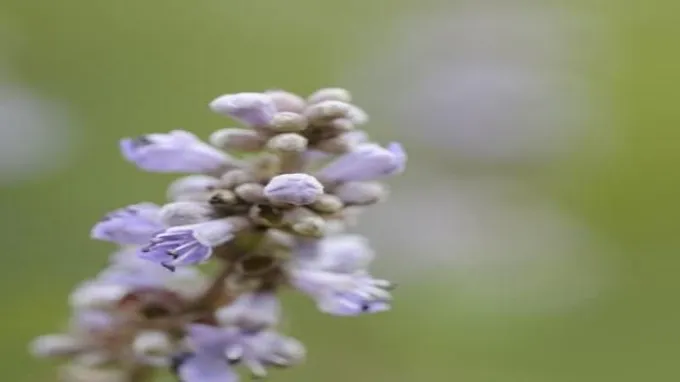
(266,207)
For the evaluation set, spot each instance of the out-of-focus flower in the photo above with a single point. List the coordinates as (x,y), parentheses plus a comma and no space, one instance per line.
(177,151)
(490,82)
(268,222)
(36,135)
(495,241)
(134,224)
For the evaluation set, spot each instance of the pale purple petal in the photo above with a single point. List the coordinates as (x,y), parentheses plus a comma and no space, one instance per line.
(343,294)
(176,248)
(177,151)
(91,320)
(295,189)
(344,254)
(367,161)
(189,244)
(210,339)
(254,109)
(135,224)
(203,367)
(348,304)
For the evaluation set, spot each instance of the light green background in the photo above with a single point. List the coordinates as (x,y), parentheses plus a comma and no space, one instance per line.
(129,66)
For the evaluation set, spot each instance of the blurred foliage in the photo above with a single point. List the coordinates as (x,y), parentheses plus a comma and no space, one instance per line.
(128,67)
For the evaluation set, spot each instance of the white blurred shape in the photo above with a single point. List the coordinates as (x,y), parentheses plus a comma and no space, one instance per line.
(498,247)
(35,137)
(494,81)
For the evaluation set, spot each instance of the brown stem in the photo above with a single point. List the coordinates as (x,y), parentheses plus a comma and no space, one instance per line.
(216,289)
(139,373)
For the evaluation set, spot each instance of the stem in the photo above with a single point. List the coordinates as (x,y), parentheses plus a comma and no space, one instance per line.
(216,289)
(139,373)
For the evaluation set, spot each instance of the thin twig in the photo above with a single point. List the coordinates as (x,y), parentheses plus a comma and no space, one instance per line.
(216,289)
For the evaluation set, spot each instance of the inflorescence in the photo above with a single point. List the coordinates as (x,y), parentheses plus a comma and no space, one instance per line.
(269,216)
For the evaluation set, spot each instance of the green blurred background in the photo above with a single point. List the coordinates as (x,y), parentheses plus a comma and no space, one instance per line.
(127,67)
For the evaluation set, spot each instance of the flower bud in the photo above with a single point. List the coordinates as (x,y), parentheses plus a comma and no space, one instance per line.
(251,193)
(183,213)
(74,372)
(330,94)
(305,222)
(235,178)
(97,296)
(152,343)
(361,193)
(254,109)
(357,115)
(265,166)
(56,345)
(287,143)
(237,139)
(327,204)
(251,311)
(327,110)
(192,184)
(296,189)
(336,145)
(286,101)
(288,122)
(223,198)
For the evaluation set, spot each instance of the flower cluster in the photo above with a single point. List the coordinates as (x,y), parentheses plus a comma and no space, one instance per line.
(267,206)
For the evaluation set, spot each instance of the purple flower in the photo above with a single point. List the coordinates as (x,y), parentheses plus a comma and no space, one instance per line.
(88,320)
(208,362)
(343,294)
(177,151)
(251,311)
(254,109)
(188,244)
(367,161)
(214,346)
(129,270)
(344,254)
(135,224)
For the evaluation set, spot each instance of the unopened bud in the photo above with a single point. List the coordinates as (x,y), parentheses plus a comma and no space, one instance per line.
(296,189)
(75,372)
(56,345)
(305,222)
(265,215)
(361,193)
(192,184)
(251,193)
(278,238)
(198,197)
(330,94)
(237,139)
(327,204)
(234,178)
(152,343)
(357,115)
(97,296)
(255,109)
(327,110)
(288,122)
(254,311)
(286,101)
(265,166)
(183,213)
(287,143)
(93,358)
(337,145)
(291,352)
(223,198)
(341,125)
